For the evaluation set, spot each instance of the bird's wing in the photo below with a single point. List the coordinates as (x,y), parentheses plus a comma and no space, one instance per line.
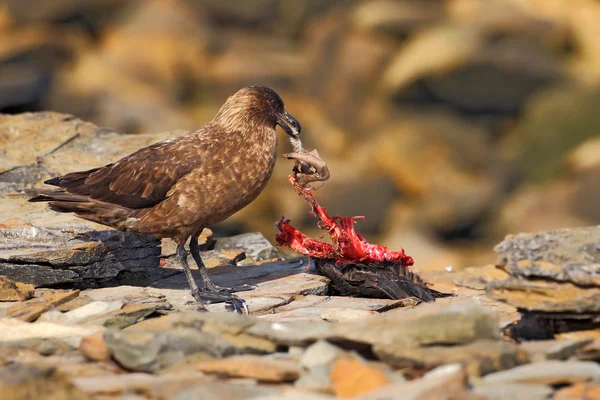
(140,180)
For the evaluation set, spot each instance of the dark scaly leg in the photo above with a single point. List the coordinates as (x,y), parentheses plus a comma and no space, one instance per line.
(182,256)
(212,293)
(209,285)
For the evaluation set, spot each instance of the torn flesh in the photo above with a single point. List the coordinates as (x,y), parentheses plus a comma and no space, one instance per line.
(347,246)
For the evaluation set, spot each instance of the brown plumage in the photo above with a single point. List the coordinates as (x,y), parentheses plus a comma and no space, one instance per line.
(176,188)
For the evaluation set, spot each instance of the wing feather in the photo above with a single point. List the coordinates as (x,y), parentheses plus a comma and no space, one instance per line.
(140,180)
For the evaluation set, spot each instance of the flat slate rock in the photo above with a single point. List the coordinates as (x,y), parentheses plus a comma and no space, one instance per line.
(313,301)
(63,143)
(262,369)
(257,304)
(345,314)
(315,308)
(151,351)
(277,283)
(48,255)
(541,295)
(297,284)
(31,310)
(563,255)
(482,356)
(121,318)
(229,391)
(292,333)
(553,273)
(426,325)
(46,131)
(16,332)
(157,343)
(254,244)
(127,294)
(478,277)
(540,350)
(22,381)
(513,391)
(136,382)
(15,291)
(548,373)
(73,317)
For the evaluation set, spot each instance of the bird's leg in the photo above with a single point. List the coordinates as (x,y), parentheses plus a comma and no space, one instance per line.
(182,255)
(209,285)
(211,292)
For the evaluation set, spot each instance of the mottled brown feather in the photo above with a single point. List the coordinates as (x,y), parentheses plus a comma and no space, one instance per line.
(134,181)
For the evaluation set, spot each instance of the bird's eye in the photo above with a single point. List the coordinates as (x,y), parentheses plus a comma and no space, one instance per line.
(274,102)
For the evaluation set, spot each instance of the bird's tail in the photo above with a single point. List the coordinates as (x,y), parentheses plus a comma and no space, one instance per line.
(86,208)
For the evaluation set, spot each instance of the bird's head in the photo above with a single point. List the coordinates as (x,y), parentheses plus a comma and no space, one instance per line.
(258,105)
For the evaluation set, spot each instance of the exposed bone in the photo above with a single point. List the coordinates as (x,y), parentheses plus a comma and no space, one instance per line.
(309,167)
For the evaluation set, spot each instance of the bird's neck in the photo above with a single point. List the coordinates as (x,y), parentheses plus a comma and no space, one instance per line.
(233,117)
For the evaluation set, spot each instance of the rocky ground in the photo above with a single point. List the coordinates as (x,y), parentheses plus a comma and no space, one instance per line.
(470,119)
(90,313)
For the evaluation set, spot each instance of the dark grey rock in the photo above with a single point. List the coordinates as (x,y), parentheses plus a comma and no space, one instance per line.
(37,275)
(49,257)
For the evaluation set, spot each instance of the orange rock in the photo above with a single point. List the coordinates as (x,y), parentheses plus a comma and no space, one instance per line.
(5,18)
(350,378)
(93,347)
(579,335)
(14,224)
(254,367)
(30,310)
(15,291)
(588,391)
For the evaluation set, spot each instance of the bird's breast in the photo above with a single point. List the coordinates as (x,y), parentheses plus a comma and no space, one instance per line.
(232,175)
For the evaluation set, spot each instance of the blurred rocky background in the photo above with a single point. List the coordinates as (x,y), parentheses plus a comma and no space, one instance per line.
(447,123)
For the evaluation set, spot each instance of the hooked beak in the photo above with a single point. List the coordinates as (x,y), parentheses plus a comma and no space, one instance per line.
(289,124)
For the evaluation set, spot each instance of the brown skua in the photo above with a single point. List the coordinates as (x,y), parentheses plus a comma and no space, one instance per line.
(176,188)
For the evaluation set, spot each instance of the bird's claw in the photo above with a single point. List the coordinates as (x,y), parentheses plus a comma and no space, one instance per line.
(204,296)
(239,306)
